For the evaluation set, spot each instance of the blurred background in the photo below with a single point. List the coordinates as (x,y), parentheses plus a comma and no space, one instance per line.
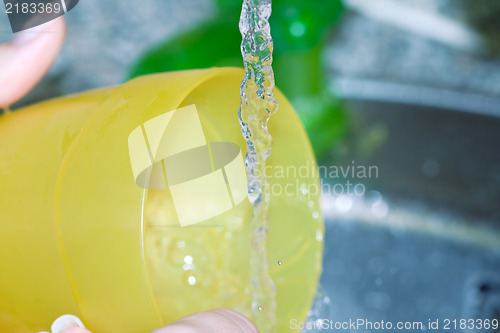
(408,87)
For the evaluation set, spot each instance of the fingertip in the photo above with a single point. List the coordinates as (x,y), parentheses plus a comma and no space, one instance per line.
(215,321)
(54,29)
(68,322)
(25,60)
(239,320)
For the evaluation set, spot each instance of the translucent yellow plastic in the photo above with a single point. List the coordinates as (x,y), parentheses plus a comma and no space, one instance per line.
(78,236)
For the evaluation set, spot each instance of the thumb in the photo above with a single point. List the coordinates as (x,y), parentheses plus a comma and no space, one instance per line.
(215,321)
(25,60)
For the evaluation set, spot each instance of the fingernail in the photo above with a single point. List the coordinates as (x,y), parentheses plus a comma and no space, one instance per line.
(25,36)
(65,322)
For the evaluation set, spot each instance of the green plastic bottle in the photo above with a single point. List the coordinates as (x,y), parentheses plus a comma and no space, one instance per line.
(299,30)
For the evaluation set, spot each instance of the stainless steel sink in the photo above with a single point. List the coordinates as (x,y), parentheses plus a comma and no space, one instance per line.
(423,242)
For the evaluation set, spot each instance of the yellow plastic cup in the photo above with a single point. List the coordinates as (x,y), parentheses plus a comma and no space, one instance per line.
(79,236)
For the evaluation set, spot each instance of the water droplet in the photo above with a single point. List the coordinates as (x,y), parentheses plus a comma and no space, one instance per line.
(260,308)
(279,262)
(319,235)
(380,210)
(315,215)
(320,307)
(304,189)
(188,260)
(343,203)
(192,280)
(297,29)
(373,198)
(310,204)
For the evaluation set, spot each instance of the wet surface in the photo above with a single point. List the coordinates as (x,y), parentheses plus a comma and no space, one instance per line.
(380,274)
(423,241)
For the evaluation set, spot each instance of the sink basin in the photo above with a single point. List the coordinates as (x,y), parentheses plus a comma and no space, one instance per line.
(422,241)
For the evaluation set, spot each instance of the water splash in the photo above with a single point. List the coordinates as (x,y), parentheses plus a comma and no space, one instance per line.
(320,310)
(257,106)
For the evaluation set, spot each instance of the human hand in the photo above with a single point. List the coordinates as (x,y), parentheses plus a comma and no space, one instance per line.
(215,321)
(26,59)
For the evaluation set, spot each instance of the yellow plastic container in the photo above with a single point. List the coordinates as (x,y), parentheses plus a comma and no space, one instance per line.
(77,235)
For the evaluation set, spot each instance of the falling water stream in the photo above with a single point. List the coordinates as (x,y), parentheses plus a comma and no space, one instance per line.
(257,106)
